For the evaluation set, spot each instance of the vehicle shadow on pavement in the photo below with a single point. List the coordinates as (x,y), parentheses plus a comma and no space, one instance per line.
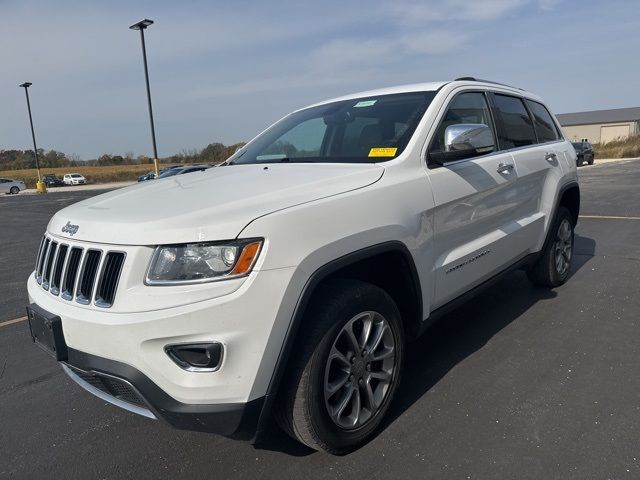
(468,328)
(452,339)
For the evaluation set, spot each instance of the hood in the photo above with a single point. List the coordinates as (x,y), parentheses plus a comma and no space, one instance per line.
(205,206)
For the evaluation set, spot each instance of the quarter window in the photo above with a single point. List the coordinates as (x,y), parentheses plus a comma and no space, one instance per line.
(515,128)
(545,127)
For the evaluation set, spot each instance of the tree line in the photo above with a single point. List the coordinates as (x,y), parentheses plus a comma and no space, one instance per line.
(25,159)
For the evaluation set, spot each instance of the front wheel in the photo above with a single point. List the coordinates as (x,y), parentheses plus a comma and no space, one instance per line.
(346,368)
(553,266)
(14,190)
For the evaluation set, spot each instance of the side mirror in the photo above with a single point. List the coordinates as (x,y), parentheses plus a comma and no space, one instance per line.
(464,140)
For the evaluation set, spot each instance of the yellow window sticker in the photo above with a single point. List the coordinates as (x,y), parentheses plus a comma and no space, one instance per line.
(383,152)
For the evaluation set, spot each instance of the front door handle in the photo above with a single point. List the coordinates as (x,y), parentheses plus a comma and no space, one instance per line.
(550,157)
(505,167)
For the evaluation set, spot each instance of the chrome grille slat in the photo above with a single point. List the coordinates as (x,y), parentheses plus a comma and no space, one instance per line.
(79,273)
(39,256)
(71,273)
(58,267)
(83,272)
(87,277)
(46,272)
(97,275)
(109,276)
(41,260)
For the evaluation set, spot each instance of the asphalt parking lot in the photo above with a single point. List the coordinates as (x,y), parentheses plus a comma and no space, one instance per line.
(519,383)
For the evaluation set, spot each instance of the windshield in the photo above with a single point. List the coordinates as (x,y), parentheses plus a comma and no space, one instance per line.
(362,130)
(75,175)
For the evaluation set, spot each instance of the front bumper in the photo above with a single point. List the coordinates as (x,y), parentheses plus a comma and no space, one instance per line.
(128,388)
(130,347)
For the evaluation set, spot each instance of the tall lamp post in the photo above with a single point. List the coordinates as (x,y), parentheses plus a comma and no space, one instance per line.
(142,26)
(40,186)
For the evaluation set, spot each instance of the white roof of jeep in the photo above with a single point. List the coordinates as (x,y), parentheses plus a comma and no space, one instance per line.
(426,87)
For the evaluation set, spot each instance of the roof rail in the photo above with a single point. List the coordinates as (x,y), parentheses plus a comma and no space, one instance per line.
(473,79)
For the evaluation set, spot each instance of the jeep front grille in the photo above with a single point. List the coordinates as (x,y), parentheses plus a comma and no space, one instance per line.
(75,272)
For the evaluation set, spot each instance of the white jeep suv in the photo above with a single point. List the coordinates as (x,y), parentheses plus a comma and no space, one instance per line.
(286,282)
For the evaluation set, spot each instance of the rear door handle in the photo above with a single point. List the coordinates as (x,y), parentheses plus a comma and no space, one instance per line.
(505,167)
(550,157)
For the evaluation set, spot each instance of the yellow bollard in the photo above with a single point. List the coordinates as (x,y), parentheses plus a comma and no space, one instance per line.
(41,187)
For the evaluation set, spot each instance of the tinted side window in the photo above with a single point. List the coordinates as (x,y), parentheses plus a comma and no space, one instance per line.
(515,128)
(468,107)
(545,127)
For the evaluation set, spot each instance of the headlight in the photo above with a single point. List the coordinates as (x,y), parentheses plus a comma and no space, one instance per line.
(202,262)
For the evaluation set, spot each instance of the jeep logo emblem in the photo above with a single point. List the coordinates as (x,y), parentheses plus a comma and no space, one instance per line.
(70,228)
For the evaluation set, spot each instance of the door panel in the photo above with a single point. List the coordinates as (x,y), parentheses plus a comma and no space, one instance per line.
(479,221)
(473,222)
(535,170)
(539,169)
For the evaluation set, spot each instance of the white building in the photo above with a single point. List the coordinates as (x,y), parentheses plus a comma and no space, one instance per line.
(601,126)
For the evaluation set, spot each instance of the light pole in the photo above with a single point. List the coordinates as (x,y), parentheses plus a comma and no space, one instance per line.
(40,186)
(142,25)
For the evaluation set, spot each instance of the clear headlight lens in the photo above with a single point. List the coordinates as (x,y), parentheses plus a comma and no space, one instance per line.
(202,262)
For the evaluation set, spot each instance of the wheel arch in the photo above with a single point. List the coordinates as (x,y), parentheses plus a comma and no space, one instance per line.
(569,197)
(406,291)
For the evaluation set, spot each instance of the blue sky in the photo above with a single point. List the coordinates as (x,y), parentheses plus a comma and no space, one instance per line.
(222,71)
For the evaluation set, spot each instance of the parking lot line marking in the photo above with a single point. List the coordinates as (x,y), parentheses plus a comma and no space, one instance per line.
(609,217)
(11,322)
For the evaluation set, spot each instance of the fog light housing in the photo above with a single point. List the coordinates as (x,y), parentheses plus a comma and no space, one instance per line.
(196,357)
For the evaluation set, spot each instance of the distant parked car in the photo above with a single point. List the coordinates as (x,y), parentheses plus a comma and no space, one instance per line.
(8,185)
(74,179)
(585,153)
(147,176)
(51,180)
(170,167)
(183,170)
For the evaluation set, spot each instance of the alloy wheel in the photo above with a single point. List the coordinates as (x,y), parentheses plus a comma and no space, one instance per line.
(359,370)
(563,247)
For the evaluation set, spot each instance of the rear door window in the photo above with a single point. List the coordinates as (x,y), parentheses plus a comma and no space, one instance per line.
(544,124)
(515,128)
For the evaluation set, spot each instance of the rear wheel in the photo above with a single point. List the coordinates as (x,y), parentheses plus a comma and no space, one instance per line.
(346,370)
(14,190)
(552,268)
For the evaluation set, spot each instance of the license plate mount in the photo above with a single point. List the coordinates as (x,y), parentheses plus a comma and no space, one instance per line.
(46,332)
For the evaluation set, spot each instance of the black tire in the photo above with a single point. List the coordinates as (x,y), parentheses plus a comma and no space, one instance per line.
(546,272)
(592,160)
(14,190)
(302,409)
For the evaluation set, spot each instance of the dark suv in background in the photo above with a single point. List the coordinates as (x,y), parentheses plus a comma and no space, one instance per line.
(584,152)
(51,180)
